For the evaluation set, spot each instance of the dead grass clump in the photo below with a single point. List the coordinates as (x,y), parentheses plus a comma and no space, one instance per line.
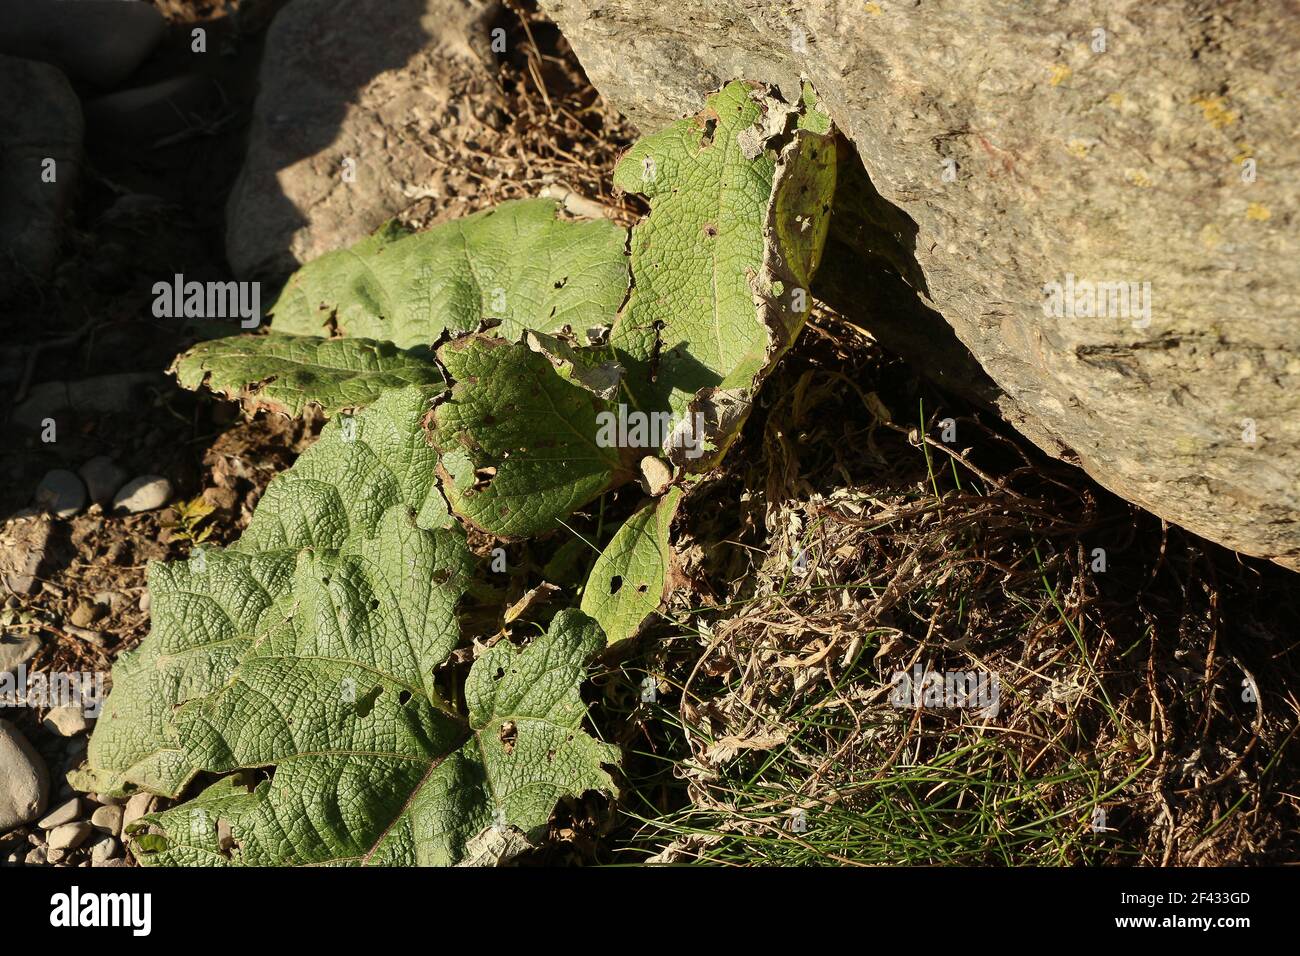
(1142,712)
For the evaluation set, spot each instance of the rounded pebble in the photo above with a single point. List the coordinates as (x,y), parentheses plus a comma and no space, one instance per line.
(143,494)
(61,492)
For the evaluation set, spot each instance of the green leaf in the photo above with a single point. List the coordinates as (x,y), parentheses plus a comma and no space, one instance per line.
(359,467)
(739,204)
(206,609)
(632,574)
(286,373)
(517,438)
(405,782)
(516,262)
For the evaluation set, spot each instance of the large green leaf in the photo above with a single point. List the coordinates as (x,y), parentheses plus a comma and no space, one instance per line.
(516,262)
(287,373)
(517,437)
(739,203)
(206,609)
(369,767)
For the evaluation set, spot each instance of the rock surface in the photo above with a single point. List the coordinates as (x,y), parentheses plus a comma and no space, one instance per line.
(100,42)
(1159,150)
(32,209)
(24,780)
(336,145)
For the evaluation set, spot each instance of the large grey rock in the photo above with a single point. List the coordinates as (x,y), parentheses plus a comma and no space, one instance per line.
(343,121)
(117,393)
(1123,165)
(40,141)
(24,779)
(102,42)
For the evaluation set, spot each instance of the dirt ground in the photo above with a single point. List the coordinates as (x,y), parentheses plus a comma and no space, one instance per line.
(997,543)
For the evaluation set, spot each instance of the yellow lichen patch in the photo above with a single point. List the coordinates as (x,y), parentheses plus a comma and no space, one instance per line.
(1137,177)
(1115,99)
(1080,147)
(872,8)
(1060,73)
(1244,152)
(1211,236)
(1257,212)
(1216,113)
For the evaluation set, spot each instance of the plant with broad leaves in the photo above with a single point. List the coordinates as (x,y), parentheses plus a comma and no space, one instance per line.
(307,674)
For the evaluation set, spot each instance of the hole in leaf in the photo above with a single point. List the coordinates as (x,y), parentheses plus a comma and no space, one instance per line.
(507,735)
(374,604)
(403,697)
(642,588)
(366,702)
(615,583)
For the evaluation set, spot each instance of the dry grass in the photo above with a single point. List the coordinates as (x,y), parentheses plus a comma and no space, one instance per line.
(1144,712)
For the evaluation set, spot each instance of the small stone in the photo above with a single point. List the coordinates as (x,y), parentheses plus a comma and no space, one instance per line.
(61,493)
(146,601)
(64,813)
(36,857)
(136,807)
(24,780)
(69,836)
(143,494)
(105,849)
(85,614)
(108,819)
(17,649)
(102,477)
(55,856)
(67,721)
